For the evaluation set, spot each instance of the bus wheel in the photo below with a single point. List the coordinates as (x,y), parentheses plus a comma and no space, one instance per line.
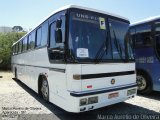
(143,83)
(45,89)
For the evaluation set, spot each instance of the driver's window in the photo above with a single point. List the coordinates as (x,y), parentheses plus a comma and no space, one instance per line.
(56,50)
(52,35)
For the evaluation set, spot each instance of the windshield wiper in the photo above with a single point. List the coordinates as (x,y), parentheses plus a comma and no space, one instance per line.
(118,46)
(103,49)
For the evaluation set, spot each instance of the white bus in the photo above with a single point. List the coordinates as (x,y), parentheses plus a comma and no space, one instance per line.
(78,58)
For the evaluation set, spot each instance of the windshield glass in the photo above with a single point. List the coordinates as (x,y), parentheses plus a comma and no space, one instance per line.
(93,36)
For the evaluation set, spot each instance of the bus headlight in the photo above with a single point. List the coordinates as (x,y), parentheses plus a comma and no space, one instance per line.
(92,100)
(131,91)
(83,101)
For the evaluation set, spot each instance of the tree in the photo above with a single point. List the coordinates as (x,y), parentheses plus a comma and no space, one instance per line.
(6,41)
(17,29)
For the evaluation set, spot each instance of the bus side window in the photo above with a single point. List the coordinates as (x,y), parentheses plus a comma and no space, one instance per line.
(38,37)
(29,41)
(44,34)
(13,50)
(143,38)
(157,38)
(17,48)
(32,43)
(133,36)
(52,42)
(20,47)
(25,44)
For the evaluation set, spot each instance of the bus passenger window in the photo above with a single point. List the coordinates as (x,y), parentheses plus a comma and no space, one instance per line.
(44,34)
(143,36)
(132,34)
(29,41)
(20,47)
(25,44)
(39,37)
(32,43)
(13,50)
(16,48)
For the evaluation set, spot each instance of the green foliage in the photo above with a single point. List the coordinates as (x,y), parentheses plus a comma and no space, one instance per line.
(6,42)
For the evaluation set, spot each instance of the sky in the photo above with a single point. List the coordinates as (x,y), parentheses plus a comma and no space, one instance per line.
(28,13)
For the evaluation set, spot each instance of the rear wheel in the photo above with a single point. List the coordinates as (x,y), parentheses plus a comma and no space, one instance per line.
(45,89)
(144,84)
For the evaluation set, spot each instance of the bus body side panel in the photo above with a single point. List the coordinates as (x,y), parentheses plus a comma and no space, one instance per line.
(62,84)
(30,65)
(156,75)
(57,84)
(147,62)
(73,69)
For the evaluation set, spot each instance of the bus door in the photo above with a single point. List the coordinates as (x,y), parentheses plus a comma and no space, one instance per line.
(56,54)
(157,56)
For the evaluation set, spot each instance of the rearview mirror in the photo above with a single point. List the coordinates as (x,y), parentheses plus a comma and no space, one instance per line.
(58,36)
(58,23)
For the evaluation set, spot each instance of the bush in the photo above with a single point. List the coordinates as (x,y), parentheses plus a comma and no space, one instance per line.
(6,42)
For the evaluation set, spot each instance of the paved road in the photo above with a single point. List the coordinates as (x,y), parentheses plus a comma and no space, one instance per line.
(17,101)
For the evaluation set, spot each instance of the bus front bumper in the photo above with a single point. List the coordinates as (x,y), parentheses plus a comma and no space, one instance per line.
(92,100)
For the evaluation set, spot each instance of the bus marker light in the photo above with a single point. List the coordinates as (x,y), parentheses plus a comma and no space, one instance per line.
(131,92)
(76,77)
(83,101)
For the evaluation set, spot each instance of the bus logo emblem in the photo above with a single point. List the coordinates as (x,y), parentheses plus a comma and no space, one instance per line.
(113,81)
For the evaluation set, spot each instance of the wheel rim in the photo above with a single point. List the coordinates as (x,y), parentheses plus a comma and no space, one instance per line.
(141,82)
(44,89)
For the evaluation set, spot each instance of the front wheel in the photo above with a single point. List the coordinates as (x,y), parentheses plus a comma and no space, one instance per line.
(45,89)
(143,83)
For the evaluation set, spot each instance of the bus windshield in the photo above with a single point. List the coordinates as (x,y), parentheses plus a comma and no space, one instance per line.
(96,37)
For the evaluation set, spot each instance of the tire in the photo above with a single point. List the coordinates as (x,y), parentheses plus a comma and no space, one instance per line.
(143,83)
(44,89)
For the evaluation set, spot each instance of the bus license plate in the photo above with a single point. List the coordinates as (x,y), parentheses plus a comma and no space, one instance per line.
(113,95)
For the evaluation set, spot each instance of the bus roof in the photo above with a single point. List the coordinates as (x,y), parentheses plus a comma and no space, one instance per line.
(78,7)
(150,19)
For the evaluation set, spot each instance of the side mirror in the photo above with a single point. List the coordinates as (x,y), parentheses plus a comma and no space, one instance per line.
(58,23)
(58,36)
